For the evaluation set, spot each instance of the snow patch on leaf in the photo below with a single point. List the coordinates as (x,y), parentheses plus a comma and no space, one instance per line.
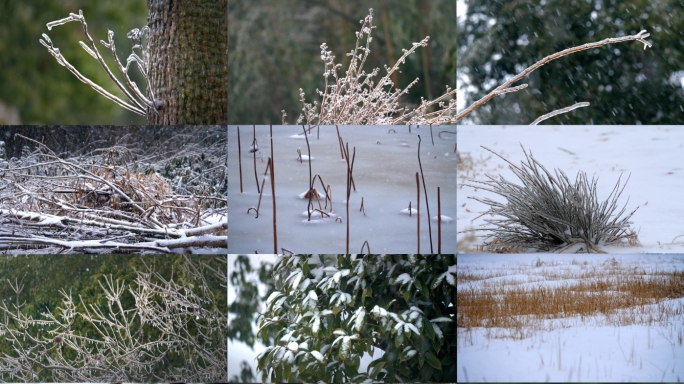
(317,355)
(441,320)
(438,331)
(403,279)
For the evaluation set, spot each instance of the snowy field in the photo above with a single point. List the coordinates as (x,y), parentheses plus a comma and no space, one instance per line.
(581,326)
(653,157)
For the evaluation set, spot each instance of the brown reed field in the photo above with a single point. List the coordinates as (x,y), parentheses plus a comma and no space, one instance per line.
(523,298)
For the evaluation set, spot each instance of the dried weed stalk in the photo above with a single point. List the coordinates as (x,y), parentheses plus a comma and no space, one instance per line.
(550,212)
(357,99)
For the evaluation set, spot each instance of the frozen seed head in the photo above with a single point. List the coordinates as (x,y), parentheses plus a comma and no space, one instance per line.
(57,339)
(549,212)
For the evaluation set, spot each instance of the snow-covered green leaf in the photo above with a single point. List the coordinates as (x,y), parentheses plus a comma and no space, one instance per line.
(297,279)
(337,340)
(403,279)
(438,331)
(344,349)
(409,326)
(359,318)
(316,325)
(438,280)
(395,317)
(317,355)
(286,338)
(441,320)
(293,346)
(272,297)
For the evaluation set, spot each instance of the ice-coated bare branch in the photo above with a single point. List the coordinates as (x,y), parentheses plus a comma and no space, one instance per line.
(138,101)
(559,111)
(504,88)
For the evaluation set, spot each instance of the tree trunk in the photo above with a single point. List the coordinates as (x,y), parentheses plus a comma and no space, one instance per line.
(188,42)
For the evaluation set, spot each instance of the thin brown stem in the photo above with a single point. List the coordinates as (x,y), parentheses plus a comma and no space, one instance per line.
(255,146)
(365,244)
(439,223)
(271,162)
(239,158)
(418,208)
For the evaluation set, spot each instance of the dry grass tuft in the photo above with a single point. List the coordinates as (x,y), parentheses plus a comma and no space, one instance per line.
(550,212)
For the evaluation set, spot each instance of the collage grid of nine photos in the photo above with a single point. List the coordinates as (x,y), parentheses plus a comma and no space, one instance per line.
(113,191)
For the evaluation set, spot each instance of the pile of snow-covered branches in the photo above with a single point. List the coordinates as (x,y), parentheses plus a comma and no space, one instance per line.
(115,199)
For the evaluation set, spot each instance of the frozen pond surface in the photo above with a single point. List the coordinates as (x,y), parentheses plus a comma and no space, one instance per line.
(384,173)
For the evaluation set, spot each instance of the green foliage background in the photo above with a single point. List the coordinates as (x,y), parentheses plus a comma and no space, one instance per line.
(624,83)
(45,92)
(274,50)
(44,276)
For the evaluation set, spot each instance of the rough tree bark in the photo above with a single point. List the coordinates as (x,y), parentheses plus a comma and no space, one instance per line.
(188,43)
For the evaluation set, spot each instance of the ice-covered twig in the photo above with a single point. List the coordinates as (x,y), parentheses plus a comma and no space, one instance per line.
(136,105)
(559,111)
(504,88)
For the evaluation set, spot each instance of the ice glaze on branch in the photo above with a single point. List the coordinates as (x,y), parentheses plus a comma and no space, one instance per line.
(504,88)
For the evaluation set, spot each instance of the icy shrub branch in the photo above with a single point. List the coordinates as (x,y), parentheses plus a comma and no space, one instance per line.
(154,330)
(357,99)
(138,102)
(504,88)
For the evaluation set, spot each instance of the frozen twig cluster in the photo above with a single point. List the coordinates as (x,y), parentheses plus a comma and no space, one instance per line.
(137,104)
(169,322)
(357,99)
(104,203)
(550,212)
(506,87)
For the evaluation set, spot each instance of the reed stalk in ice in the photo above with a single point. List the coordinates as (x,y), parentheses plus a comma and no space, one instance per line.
(254,149)
(418,209)
(365,244)
(439,223)
(271,161)
(427,204)
(350,168)
(240,158)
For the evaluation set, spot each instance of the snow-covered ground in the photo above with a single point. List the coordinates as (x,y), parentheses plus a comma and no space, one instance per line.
(572,348)
(653,157)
